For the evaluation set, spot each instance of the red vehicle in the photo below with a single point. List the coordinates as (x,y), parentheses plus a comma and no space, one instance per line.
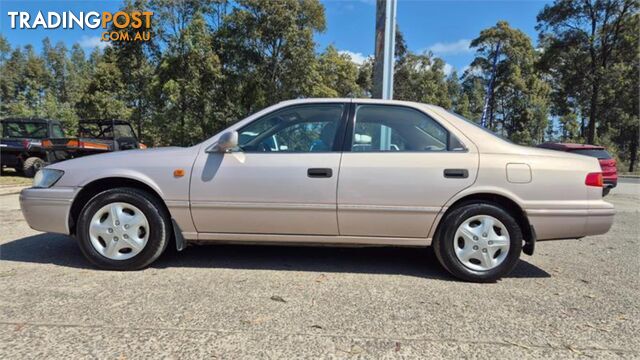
(607,163)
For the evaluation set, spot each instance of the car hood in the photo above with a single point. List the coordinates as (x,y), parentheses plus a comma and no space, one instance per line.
(146,165)
(126,158)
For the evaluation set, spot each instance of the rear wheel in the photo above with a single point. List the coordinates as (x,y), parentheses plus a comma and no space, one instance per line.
(123,229)
(479,242)
(31,166)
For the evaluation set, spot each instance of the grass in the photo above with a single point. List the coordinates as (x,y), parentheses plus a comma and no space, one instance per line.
(10,177)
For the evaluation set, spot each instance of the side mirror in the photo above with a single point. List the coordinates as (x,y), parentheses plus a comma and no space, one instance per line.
(226,143)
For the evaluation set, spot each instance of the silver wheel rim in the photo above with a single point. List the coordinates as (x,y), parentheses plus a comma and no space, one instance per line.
(119,231)
(481,243)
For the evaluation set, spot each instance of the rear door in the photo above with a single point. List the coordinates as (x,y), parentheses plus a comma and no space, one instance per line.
(399,167)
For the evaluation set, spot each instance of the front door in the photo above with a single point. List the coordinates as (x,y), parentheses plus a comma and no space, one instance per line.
(282,180)
(400,168)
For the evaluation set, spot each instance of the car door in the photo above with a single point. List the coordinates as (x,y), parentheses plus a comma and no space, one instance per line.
(282,179)
(399,168)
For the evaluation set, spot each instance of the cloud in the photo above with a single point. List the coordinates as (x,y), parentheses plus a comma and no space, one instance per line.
(448,69)
(356,57)
(457,47)
(90,42)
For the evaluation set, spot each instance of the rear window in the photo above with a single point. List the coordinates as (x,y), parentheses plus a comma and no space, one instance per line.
(596,153)
(31,130)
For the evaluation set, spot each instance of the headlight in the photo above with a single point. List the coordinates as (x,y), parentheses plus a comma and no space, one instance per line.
(45,178)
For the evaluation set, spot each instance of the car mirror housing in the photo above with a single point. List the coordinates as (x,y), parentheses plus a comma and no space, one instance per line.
(227,142)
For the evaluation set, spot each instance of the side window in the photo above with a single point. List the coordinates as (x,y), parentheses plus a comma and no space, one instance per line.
(56,132)
(396,128)
(303,128)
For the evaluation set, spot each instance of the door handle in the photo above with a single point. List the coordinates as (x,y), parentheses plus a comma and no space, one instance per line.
(456,173)
(319,173)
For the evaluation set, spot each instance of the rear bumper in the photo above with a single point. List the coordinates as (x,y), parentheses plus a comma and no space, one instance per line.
(48,209)
(553,224)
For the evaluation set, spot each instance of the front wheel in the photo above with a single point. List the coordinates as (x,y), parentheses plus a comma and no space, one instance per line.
(31,166)
(123,229)
(479,242)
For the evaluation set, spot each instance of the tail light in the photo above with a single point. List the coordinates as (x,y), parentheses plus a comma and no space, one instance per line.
(26,143)
(47,144)
(594,179)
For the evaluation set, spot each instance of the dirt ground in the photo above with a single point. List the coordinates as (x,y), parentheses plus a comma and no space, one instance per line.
(572,299)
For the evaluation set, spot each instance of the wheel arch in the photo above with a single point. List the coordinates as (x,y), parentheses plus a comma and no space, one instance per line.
(501,200)
(94,187)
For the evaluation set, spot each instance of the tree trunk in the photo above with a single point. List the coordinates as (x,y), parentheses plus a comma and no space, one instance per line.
(593,112)
(634,154)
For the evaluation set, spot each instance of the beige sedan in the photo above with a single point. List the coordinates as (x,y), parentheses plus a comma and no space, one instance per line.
(328,171)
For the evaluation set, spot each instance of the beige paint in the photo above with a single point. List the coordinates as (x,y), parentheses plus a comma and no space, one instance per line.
(373,198)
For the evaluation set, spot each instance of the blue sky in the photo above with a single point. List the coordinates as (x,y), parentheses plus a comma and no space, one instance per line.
(442,26)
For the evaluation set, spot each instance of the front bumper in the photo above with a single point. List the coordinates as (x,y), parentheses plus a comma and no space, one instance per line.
(48,209)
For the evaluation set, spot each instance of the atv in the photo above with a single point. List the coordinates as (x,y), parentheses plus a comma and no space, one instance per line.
(94,137)
(21,143)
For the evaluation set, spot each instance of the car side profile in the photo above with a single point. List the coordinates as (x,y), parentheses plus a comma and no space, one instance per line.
(330,172)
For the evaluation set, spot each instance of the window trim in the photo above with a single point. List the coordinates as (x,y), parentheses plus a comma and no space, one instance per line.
(337,141)
(348,142)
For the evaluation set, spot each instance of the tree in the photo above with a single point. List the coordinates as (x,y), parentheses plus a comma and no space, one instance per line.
(189,84)
(338,74)
(269,52)
(104,95)
(421,78)
(134,58)
(518,105)
(582,40)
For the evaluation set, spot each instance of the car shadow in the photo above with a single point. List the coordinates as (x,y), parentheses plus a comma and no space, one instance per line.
(419,262)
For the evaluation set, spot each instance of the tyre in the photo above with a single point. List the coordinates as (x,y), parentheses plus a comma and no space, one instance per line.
(31,166)
(478,242)
(606,191)
(123,229)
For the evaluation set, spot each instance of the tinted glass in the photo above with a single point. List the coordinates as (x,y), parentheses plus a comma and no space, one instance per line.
(56,132)
(597,153)
(306,128)
(498,135)
(25,130)
(395,128)
(124,130)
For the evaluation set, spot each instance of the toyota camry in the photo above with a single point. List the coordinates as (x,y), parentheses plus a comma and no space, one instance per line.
(328,172)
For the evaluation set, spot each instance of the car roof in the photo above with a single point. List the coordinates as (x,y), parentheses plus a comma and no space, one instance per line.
(351,100)
(30,120)
(570,146)
(104,121)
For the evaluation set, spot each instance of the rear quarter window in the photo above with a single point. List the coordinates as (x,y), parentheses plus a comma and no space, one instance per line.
(596,153)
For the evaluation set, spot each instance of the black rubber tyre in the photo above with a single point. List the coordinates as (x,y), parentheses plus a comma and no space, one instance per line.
(159,228)
(443,243)
(31,166)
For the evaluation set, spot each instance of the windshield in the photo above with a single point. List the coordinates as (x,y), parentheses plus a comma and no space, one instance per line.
(31,130)
(106,131)
(502,137)
(597,153)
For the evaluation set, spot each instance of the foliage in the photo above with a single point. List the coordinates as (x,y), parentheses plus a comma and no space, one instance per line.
(591,56)
(212,62)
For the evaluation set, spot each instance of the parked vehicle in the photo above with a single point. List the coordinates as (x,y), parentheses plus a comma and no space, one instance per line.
(607,163)
(94,137)
(328,171)
(21,143)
